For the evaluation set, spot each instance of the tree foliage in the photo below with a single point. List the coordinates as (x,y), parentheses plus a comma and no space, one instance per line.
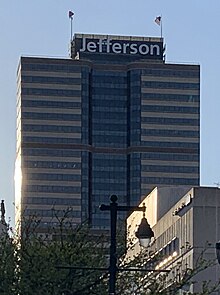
(41,264)
(178,276)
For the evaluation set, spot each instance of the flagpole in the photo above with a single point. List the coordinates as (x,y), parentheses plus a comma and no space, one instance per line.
(161,27)
(71,28)
(71,14)
(158,21)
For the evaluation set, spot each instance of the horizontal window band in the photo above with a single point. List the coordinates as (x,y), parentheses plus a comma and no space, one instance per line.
(50,110)
(52,122)
(48,87)
(170,141)
(51,213)
(185,122)
(54,104)
(52,201)
(50,80)
(174,132)
(171,162)
(51,170)
(151,182)
(169,91)
(179,175)
(75,179)
(170,109)
(46,98)
(170,85)
(49,65)
(51,164)
(51,74)
(170,79)
(41,135)
(149,114)
(110,150)
(54,195)
(52,189)
(177,103)
(172,97)
(52,138)
(51,92)
(50,116)
(53,206)
(189,170)
(63,182)
(56,157)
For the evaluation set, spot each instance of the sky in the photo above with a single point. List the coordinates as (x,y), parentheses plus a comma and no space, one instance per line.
(42,28)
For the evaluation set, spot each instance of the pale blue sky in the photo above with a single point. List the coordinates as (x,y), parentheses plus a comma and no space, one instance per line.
(191,31)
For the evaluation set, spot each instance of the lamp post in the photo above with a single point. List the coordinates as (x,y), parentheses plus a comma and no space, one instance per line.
(144,234)
(217,248)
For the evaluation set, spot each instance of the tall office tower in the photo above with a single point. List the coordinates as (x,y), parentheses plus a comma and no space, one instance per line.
(114,118)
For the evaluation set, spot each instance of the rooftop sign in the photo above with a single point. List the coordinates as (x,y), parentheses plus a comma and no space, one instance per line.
(111,45)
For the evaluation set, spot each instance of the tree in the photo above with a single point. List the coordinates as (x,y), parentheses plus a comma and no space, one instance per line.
(179,276)
(41,264)
(7,263)
(42,259)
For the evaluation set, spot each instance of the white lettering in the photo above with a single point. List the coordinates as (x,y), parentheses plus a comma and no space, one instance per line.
(116,48)
(152,49)
(83,45)
(141,49)
(108,45)
(133,48)
(91,46)
(125,45)
(100,45)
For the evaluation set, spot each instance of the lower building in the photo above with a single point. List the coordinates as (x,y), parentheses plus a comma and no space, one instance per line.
(186,226)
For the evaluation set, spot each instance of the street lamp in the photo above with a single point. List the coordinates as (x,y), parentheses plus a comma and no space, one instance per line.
(144,234)
(217,248)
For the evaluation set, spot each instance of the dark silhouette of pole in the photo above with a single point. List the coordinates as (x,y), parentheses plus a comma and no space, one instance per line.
(114,208)
(113,254)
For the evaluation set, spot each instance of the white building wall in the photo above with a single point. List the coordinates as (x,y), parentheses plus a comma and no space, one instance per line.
(189,226)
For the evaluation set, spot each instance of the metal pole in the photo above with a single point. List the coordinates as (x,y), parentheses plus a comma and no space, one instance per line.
(114,208)
(113,255)
(71,29)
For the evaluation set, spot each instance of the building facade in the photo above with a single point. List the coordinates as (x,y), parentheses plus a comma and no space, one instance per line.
(114,118)
(186,228)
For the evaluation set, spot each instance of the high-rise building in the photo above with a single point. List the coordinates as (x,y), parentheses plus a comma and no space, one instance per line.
(114,118)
